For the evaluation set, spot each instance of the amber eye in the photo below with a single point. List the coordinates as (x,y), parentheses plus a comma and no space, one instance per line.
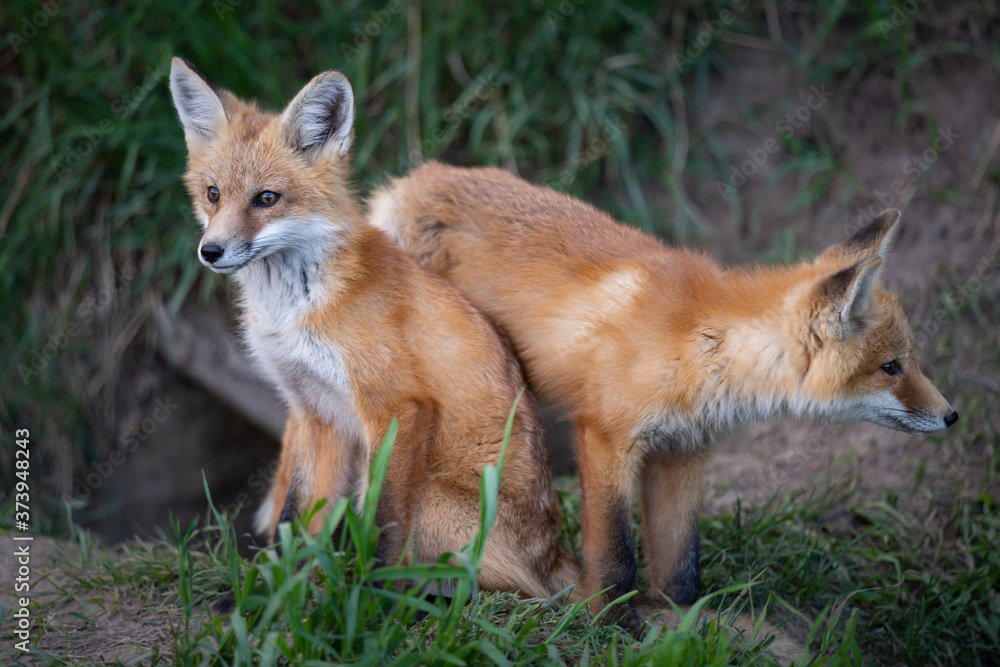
(213,193)
(891,367)
(267,198)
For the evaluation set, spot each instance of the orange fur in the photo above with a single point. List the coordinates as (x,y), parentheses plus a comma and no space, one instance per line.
(355,334)
(656,351)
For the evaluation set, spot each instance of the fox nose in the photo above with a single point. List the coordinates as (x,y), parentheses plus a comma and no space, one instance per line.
(211,252)
(951,419)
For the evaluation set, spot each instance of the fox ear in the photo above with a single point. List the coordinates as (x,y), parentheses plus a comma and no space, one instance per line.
(197,102)
(321,116)
(844,297)
(873,240)
(877,237)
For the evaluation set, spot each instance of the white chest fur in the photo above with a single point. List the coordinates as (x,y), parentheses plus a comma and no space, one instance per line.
(309,370)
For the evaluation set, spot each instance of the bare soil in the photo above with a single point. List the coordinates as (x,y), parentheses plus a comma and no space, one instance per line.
(99,627)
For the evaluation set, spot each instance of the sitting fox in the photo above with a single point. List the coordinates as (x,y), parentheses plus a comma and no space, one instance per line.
(656,352)
(355,334)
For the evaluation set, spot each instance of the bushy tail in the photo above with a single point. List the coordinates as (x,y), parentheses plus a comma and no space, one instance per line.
(406,212)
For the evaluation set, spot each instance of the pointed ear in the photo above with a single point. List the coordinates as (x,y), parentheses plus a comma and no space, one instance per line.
(844,297)
(321,117)
(197,102)
(873,240)
(876,238)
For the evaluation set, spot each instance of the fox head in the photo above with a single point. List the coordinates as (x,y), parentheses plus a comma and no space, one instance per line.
(860,347)
(265,183)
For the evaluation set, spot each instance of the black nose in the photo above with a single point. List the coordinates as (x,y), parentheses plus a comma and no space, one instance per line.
(951,419)
(211,252)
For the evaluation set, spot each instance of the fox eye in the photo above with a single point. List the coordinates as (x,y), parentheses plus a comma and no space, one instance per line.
(891,367)
(267,198)
(213,193)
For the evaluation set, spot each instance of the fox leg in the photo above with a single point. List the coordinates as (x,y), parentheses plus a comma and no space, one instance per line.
(608,547)
(316,463)
(670,489)
(268,515)
(404,482)
(327,469)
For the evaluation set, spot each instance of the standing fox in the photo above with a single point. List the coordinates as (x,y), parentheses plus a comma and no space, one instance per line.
(354,334)
(656,352)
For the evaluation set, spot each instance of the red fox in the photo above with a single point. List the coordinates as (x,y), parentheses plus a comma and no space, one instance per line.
(656,352)
(355,333)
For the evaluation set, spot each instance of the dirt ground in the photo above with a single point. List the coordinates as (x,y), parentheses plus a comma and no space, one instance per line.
(97,627)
